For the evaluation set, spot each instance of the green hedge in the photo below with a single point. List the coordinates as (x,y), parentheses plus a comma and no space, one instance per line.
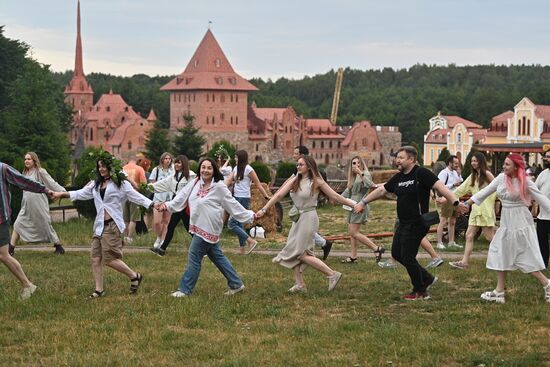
(263,171)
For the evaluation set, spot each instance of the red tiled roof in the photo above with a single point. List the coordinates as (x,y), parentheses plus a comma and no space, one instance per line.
(209,69)
(453,120)
(269,113)
(433,136)
(152,116)
(543,111)
(349,133)
(111,106)
(503,117)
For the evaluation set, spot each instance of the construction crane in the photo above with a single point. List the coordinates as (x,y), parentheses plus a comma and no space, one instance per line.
(336,99)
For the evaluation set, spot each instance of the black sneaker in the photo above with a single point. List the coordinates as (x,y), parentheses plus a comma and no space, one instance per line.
(159,251)
(326,249)
(59,249)
(11,250)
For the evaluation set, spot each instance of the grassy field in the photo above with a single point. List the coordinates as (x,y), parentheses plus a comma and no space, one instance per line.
(363,322)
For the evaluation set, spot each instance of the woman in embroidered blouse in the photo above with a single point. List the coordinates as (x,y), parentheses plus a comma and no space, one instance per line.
(173,185)
(109,192)
(515,244)
(160,172)
(208,200)
(481,216)
(34,223)
(242,178)
(359,183)
(298,253)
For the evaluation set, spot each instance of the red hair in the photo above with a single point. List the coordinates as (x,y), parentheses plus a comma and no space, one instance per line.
(519,163)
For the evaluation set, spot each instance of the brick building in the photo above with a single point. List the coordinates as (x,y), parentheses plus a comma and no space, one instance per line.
(217,97)
(110,123)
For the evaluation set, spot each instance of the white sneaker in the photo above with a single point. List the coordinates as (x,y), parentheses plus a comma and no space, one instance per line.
(333,280)
(547,292)
(297,289)
(231,292)
(493,296)
(128,240)
(440,246)
(157,243)
(388,264)
(251,248)
(179,294)
(454,245)
(27,292)
(434,263)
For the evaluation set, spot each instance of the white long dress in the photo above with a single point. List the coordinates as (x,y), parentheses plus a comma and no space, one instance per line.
(34,224)
(515,245)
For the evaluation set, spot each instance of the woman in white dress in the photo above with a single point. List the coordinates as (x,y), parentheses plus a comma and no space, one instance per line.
(34,224)
(298,252)
(163,170)
(515,244)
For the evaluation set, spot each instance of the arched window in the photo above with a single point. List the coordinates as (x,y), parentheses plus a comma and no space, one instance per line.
(129,145)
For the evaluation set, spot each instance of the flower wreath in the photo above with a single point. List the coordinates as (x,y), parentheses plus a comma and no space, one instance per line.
(115,164)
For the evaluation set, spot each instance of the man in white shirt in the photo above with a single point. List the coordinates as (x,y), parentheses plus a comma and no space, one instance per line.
(543,219)
(447,212)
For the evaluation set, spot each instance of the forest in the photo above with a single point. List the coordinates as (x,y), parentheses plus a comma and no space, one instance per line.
(404,97)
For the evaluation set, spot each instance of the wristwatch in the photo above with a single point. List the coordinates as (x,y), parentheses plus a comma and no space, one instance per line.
(456,202)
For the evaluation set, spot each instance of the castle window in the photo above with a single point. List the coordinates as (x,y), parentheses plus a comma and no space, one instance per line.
(174,97)
(222,116)
(213,120)
(179,97)
(231,120)
(108,109)
(313,145)
(207,120)
(373,145)
(286,129)
(529,127)
(196,62)
(213,97)
(257,147)
(322,144)
(330,144)
(233,81)
(218,64)
(236,98)
(236,120)
(207,97)
(129,145)
(193,97)
(91,134)
(339,146)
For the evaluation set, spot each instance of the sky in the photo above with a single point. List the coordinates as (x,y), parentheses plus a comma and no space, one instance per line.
(282,38)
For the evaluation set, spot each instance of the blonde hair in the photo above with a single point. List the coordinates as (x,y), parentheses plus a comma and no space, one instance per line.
(352,175)
(35,159)
(162,159)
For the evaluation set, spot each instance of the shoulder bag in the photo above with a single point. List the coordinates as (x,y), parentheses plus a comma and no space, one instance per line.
(429,218)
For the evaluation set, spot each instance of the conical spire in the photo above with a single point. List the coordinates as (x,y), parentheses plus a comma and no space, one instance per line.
(152,116)
(78,67)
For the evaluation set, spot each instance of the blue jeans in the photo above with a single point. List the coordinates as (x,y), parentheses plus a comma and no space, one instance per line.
(197,249)
(237,227)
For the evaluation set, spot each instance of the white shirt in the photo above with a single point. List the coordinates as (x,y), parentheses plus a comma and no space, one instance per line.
(207,208)
(241,188)
(112,202)
(449,178)
(170,184)
(543,184)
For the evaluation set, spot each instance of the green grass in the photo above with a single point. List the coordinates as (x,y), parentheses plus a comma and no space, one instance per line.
(363,322)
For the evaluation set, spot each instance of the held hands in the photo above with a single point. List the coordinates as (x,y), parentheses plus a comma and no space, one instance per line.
(260,213)
(54,195)
(359,207)
(160,207)
(462,208)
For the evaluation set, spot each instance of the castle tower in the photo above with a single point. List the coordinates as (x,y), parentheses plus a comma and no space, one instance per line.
(211,91)
(79,93)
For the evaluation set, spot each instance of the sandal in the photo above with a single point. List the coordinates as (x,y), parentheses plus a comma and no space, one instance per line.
(349,260)
(458,265)
(96,294)
(135,282)
(379,251)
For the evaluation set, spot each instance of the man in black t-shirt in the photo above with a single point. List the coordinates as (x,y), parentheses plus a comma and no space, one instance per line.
(412,186)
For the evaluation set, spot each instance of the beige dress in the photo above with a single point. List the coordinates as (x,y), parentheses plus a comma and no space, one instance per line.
(34,223)
(300,237)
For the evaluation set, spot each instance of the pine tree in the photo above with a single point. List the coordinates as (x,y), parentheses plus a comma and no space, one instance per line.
(188,141)
(157,142)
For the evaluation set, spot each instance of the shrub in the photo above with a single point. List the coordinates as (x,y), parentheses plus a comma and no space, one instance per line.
(285,170)
(262,170)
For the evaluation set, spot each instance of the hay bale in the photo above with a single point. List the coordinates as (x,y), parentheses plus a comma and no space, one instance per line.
(256,203)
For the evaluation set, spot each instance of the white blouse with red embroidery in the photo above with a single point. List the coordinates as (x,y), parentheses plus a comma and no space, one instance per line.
(207,208)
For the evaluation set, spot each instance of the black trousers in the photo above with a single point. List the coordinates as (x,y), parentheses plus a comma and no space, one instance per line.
(175,218)
(406,242)
(543,230)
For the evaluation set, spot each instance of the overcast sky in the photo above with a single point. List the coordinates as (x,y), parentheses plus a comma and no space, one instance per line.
(290,38)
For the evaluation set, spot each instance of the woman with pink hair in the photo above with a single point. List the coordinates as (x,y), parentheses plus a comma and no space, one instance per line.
(515,244)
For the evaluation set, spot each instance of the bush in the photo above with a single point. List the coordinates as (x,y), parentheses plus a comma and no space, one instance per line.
(194,166)
(262,170)
(85,165)
(285,170)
